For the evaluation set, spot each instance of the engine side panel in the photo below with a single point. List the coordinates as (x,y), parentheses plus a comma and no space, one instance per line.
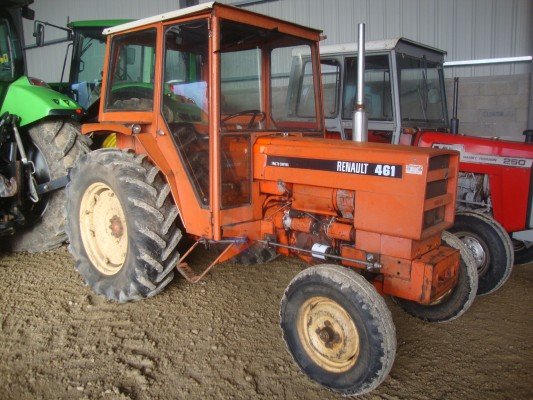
(398,191)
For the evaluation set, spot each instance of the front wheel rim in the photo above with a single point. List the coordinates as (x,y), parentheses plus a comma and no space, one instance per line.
(103,228)
(328,334)
(477,249)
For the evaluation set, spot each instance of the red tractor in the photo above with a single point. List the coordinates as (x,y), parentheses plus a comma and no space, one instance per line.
(405,100)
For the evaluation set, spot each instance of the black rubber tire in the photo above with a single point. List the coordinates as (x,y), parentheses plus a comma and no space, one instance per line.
(366,308)
(522,253)
(60,144)
(496,244)
(461,297)
(151,220)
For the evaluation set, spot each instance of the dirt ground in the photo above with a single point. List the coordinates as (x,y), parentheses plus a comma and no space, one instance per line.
(221,339)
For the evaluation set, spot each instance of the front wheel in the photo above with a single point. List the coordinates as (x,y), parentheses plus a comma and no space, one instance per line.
(491,247)
(459,299)
(122,229)
(338,329)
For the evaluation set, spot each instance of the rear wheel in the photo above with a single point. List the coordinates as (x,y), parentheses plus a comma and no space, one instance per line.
(490,246)
(338,329)
(455,303)
(122,227)
(53,146)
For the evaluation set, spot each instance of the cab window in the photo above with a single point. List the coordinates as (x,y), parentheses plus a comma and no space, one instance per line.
(377,95)
(131,75)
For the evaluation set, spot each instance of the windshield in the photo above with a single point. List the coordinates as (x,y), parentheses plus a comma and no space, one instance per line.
(11,64)
(88,61)
(247,54)
(131,74)
(421,94)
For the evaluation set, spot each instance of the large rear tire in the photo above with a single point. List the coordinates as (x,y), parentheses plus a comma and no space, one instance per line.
(54,146)
(338,329)
(459,299)
(491,247)
(122,226)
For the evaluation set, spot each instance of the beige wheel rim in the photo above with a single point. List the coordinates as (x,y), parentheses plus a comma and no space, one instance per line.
(103,228)
(328,334)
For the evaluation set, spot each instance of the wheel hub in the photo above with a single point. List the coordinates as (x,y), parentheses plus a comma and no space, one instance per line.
(103,228)
(116,227)
(477,250)
(328,334)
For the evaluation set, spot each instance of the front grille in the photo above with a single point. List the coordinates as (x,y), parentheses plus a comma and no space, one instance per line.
(439,162)
(441,187)
(434,216)
(436,188)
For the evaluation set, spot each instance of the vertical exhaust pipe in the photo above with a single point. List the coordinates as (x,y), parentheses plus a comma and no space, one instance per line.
(359,119)
(454,123)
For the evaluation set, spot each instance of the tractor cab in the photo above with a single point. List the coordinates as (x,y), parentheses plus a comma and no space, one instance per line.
(404,89)
(219,83)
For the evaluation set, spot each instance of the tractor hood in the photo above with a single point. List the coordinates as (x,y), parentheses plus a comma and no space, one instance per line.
(404,186)
(472,147)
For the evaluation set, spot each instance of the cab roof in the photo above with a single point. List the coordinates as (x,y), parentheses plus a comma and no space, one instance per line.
(97,23)
(191,11)
(399,44)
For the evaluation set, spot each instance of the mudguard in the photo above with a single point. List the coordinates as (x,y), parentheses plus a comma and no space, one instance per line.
(32,103)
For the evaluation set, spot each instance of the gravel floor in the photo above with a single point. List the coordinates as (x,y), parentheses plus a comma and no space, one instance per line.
(220,339)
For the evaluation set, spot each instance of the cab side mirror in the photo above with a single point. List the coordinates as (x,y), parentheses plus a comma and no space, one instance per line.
(38,33)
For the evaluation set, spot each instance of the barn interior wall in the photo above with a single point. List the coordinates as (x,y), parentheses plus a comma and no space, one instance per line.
(495,100)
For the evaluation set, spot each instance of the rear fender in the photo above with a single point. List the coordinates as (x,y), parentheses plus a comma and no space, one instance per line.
(32,103)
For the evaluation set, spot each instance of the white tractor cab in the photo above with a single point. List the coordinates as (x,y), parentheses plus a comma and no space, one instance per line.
(404,88)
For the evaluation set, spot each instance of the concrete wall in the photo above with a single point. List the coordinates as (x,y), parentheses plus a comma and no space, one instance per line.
(493,106)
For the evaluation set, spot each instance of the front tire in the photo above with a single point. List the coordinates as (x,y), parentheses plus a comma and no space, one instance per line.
(459,299)
(122,226)
(491,247)
(338,329)
(54,146)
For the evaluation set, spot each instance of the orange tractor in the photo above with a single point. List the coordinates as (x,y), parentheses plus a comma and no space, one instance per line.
(209,147)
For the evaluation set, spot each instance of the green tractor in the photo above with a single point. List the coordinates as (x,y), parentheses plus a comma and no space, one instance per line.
(87,50)
(39,141)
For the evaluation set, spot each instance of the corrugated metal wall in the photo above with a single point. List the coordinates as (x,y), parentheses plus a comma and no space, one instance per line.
(467,29)
(46,63)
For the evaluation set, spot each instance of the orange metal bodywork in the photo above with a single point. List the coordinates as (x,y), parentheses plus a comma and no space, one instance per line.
(391,219)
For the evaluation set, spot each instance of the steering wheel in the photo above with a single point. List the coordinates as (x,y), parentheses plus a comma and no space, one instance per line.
(252,113)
